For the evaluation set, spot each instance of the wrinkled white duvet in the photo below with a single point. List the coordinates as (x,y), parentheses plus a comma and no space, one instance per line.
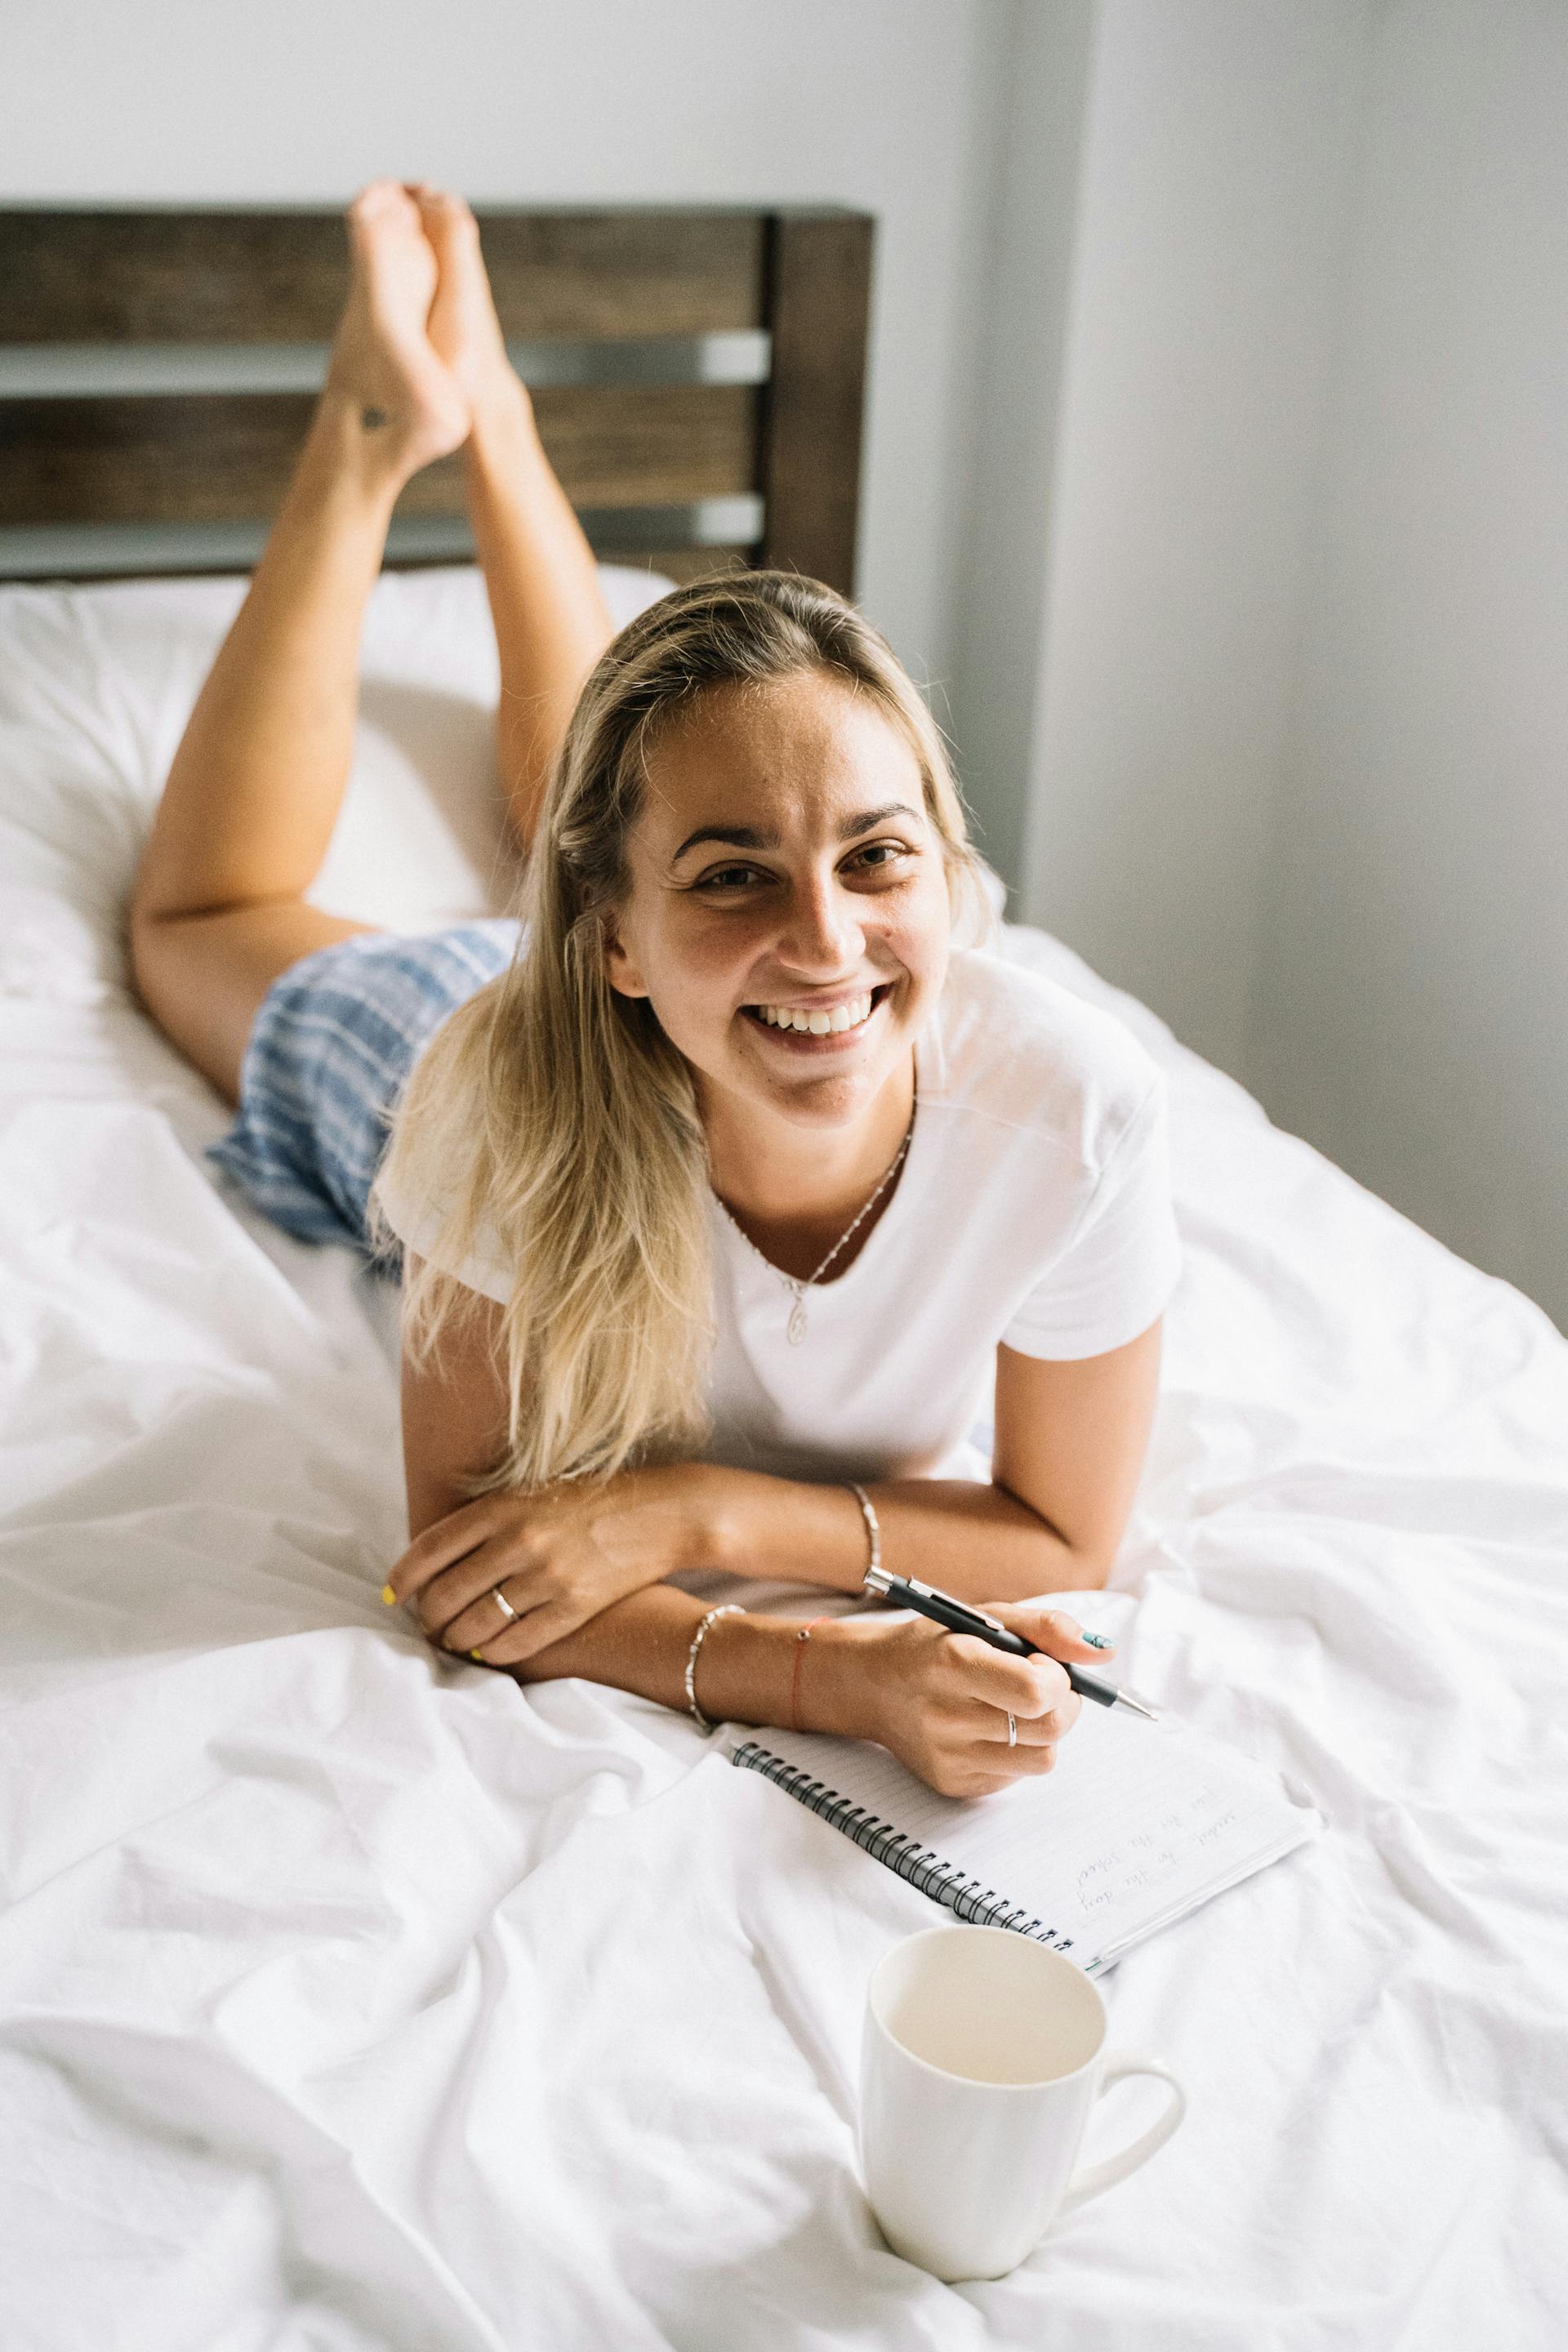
(354,2000)
(349,1999)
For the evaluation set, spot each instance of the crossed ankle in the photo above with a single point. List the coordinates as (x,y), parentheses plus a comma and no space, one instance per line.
(356,438)
(501,410)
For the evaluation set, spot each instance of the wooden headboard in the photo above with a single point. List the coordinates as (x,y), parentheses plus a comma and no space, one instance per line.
(698,378)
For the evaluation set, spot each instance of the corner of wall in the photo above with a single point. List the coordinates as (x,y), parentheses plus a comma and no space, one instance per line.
(1028,149)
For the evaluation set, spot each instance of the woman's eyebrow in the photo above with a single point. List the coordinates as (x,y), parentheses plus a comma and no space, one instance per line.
(733,836)
(868,817)
(746,836)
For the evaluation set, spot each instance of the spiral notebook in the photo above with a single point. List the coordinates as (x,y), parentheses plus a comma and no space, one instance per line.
(1138,1824)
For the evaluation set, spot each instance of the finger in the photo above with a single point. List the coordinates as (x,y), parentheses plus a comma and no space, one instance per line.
(440,1543)
(1053,1630)
(484,1624)
(460,1607)
(1033,1731)
(537,1630)
(986,1772)
(1023,1686)
(456,1590)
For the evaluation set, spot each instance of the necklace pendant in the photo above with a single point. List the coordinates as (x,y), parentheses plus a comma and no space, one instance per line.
(796,1329)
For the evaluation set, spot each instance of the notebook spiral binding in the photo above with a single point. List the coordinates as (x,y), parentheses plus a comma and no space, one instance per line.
(915,1862)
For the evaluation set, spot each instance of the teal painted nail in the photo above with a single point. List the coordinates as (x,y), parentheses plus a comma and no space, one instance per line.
(1099,1641)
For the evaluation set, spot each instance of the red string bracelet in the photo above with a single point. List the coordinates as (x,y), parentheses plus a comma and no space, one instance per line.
(801,1639)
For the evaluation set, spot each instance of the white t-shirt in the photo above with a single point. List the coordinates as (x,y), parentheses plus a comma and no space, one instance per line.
(1034,1210)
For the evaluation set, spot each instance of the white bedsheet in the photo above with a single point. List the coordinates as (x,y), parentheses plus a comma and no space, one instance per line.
(351,1998)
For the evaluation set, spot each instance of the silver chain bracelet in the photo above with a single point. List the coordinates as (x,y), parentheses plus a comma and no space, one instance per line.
(730,1609)
(873,1527)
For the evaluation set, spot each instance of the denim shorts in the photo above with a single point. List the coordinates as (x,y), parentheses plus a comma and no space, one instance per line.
(331,1050)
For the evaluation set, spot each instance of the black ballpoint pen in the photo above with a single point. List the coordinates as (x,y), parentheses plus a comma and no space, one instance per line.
(960,1618)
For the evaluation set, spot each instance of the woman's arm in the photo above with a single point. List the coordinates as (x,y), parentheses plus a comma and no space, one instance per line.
(1070,1442)
(1069,1447)
(940,1703)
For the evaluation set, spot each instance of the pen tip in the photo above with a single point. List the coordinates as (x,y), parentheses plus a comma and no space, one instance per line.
(1139,1707)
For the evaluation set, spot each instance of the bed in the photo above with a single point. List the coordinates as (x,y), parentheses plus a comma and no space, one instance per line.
(354,1998)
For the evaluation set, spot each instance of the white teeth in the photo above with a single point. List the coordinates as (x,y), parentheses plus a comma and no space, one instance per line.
(818,1024)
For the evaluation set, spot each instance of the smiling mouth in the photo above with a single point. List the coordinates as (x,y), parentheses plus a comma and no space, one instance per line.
(841,1020)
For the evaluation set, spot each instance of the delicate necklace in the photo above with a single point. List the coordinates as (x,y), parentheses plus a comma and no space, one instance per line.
(794,1331)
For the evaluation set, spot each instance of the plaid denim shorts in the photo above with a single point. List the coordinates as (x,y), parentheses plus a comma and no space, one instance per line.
(331,1050)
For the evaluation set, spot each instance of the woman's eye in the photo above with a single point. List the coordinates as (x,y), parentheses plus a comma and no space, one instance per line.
(877,856)
(729,878)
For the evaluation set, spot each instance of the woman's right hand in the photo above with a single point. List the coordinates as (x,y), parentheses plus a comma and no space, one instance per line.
(940,1701)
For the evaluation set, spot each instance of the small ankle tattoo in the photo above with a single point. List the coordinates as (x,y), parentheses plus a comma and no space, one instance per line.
(372,418)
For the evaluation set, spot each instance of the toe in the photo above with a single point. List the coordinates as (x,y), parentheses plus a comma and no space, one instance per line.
(378,197)
(445,216)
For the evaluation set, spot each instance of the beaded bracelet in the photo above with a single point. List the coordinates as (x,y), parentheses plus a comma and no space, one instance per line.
(873,1528)
(730,1609)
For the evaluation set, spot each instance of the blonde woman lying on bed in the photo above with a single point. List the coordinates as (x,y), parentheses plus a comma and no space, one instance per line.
(739,1178)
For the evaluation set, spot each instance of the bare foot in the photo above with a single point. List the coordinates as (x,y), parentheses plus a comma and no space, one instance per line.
(464,328)
(409,404)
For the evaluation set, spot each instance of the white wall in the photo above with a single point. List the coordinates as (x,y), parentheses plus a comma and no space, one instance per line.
(880,103)
(1277,366)
(1216,461)
(1411,1014)
(1206,239)
(1027,184)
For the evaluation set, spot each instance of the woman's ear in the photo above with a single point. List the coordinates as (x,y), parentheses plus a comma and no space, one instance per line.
(621,966)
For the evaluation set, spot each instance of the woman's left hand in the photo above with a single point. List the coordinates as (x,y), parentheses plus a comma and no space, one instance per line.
(557,1556)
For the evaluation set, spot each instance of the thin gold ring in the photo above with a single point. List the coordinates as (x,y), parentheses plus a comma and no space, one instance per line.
(499,1597)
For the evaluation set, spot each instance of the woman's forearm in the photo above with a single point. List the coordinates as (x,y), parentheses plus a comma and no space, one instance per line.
(746,1667)
(975,1540)
(885,1675)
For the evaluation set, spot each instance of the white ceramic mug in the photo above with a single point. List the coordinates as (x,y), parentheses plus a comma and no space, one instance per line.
(984,2054)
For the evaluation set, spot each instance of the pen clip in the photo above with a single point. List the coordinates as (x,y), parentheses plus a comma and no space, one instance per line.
(972,1616)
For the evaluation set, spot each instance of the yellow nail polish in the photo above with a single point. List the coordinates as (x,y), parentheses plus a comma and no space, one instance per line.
(475,1657)
(388,1595)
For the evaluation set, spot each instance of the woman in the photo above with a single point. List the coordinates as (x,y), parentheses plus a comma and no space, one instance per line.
(728,1197)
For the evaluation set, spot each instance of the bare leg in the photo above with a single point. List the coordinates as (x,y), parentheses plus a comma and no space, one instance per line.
(550,619)
(217,911)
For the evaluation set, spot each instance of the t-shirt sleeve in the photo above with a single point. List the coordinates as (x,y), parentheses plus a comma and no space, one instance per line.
(483,1269)
(1117,1273)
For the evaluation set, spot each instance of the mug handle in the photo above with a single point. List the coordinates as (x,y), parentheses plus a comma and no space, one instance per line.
(1096,2177)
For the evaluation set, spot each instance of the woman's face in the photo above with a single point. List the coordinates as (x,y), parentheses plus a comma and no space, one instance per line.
(783,871)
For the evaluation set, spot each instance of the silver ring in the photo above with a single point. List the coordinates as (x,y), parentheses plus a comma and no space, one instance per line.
(1012,1733)
(498,1596)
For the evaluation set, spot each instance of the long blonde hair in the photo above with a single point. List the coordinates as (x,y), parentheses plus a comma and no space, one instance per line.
(551,1121)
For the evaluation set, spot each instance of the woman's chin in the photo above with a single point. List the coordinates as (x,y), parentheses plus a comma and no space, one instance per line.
(827,1090)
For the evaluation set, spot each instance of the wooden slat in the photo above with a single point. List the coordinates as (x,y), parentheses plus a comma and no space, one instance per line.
(278,277)
(682,539)
(200,459)
(819,282)
(683,563)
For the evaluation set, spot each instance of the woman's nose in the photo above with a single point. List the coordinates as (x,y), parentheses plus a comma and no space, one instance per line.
(822,932)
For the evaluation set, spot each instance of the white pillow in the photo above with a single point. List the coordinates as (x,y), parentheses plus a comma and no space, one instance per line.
(95,685)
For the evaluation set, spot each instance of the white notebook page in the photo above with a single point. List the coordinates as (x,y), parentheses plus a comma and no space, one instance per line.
(1138,1823)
